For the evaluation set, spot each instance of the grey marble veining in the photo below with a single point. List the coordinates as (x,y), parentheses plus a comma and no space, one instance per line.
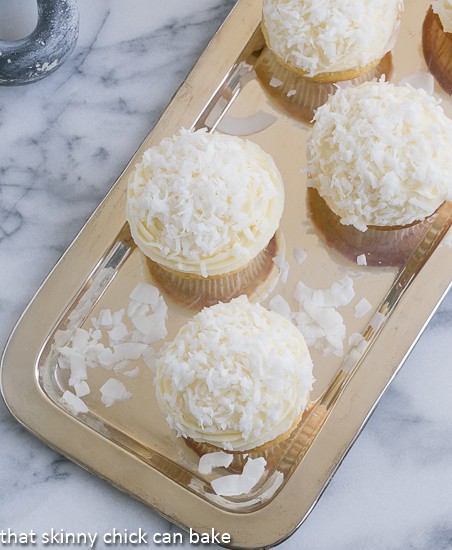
(63,141)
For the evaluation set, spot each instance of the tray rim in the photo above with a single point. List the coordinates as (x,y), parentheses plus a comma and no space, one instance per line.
(29,405)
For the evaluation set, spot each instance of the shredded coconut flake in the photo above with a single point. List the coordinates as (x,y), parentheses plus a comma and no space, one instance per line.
(74,402)
(275,82)
(214,460)
(323,326)
(80,349)
(444,10)
(300,255)
(113,391)
(81,389)
(362,308)
(422,80)
(241,484)
(133,373)
(361,259)
(355,339)
(283,265)
(279,305)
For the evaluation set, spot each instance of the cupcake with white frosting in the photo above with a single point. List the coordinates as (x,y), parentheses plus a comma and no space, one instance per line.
(326,42)
(236,377)
(379,155)
(204,208)
(332,41)
(437,42)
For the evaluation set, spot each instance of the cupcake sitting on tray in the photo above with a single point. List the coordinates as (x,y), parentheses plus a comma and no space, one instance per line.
(437,42)
(237,377)
(204,209)
(379,156)
(312,44)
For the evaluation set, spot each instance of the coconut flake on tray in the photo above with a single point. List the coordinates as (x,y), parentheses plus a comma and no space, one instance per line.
(362,308)
(279,305)
(146,314)
(240,484)
(300,255)
(133,373)
(113,391)
(275,82)
(81,389)
(214,460)
(361,259)
(74,402)
(322,326)
(283,265)
(420,79)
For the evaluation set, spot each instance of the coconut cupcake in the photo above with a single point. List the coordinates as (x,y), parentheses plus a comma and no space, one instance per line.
(204,209)
(237,377)
(326,42)
(437,42)
(380,155)
(330,41)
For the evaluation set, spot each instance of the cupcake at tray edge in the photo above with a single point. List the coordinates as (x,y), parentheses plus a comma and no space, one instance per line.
(437,42)
(325,42)
(204,209)
(380,157)
(237,377)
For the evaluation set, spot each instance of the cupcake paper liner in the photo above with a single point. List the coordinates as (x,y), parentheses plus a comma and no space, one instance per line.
(383,246)
(300,96)
(437,48)
(196,292)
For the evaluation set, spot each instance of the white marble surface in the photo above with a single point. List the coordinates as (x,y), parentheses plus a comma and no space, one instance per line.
(63,141)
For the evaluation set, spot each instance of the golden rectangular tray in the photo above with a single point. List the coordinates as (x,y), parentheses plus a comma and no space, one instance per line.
(130,444)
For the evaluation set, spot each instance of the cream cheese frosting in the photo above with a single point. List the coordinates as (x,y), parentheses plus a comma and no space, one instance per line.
(204,204)
(236,376)
(443,8)
(330,35)
(381,154)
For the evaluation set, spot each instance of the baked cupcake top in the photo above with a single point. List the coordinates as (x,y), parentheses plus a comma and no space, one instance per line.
(330,36)
(236,376)
(381,154)
(443,8)
(205,204)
